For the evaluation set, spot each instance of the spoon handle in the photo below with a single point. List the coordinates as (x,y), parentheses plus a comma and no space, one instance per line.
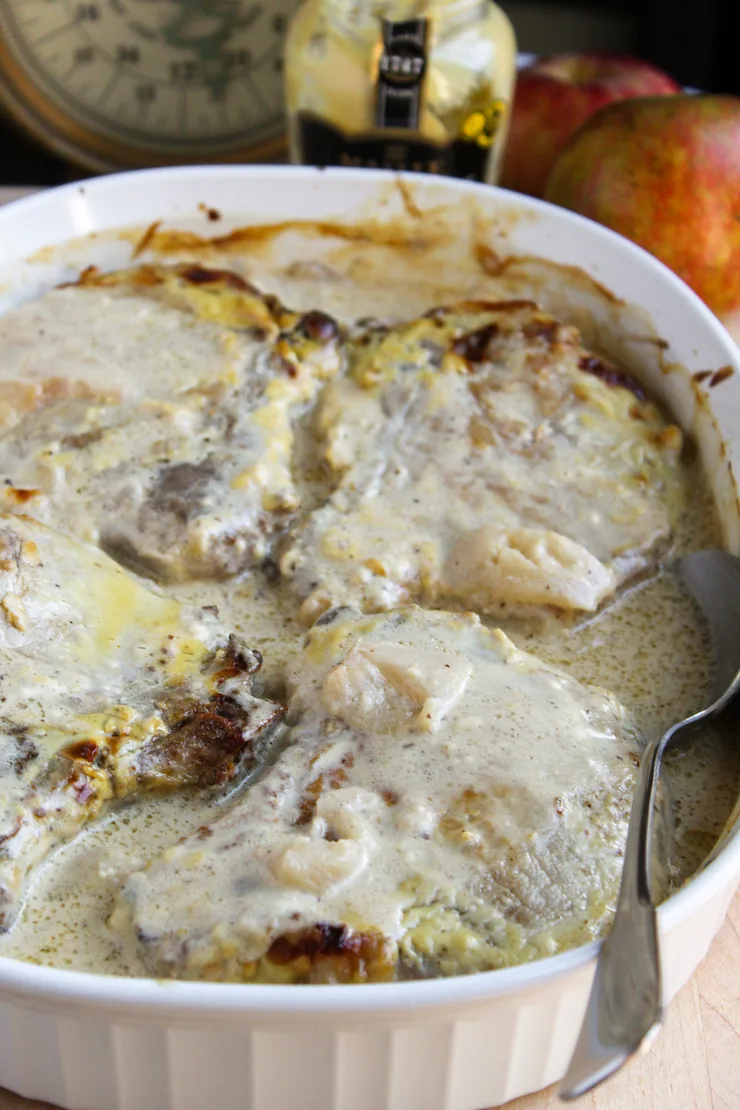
(625,1007)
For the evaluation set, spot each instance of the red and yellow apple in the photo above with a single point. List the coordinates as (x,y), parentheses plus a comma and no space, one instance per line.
(665,172)
(555,95)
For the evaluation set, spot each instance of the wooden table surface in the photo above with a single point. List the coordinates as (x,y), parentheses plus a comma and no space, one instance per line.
(693,1065)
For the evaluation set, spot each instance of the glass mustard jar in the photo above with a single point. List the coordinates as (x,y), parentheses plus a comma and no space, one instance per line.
(401,85)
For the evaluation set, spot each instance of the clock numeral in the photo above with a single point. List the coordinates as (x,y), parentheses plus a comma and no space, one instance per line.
(127,55)
(89,12)
(84,54)
(183,71)
(237,59)
(279,23)
(145,94)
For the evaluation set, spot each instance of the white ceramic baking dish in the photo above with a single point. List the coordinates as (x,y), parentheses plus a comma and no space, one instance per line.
(104,1043)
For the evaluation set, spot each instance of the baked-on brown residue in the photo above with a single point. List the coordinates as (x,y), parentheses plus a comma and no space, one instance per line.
(383,234)
(513,304)
(474,346)
(714,377)
(146,239)
(720,375)
(412,208)
(611,375)
(493,265)
(490,263)
(653,340)
(145,274)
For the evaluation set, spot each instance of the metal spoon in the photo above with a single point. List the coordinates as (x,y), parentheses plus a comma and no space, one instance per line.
(625,1008)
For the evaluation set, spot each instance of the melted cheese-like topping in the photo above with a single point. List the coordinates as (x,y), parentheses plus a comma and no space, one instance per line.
(92,344)
(481,457)
(151,411)
(96,672)
(446,803)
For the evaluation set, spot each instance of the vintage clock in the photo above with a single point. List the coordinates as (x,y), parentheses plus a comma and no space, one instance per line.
(124,83)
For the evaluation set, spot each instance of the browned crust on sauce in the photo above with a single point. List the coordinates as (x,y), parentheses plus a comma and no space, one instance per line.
(193,273)
(612,376)
(514,304)
(327,953)
(84,750)
(21,496)
(318,326)
(474,346)
(197,274)
(332,781)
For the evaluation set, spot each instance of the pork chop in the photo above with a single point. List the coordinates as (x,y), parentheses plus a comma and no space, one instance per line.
(152,412)
(446,803)
(481,457)
(106,690)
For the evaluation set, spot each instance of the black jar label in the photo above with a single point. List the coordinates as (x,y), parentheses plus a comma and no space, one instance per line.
(322,144)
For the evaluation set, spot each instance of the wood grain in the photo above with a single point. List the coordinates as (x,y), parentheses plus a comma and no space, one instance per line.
(694,1064)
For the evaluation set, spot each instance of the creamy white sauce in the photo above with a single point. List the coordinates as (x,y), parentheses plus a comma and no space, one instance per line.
(478,459)
(649,647)
(456,802)
(158,433)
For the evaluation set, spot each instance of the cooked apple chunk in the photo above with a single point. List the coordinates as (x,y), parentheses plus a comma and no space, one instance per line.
(445,804)
(108,690)
(481,457)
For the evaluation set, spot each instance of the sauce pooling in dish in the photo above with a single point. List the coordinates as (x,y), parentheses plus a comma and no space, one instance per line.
(648,646)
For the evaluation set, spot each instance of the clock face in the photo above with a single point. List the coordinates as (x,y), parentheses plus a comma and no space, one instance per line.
(180,78)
